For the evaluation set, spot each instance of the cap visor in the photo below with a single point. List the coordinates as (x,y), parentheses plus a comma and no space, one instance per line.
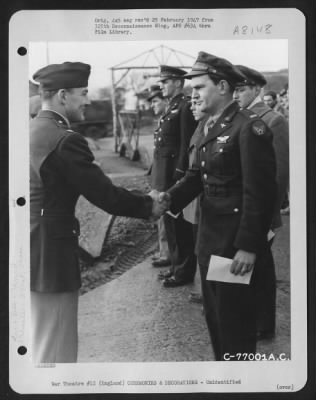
(193,74)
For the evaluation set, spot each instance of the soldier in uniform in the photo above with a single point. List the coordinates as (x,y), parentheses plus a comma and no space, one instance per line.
(61,169)
(247,95)
(191,211)
(171,143)
(159,105)
(234,172)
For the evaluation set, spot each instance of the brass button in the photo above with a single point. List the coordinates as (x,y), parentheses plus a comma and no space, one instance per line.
(205,176)
(159,139)
(203,163)
(236,209)
(221,150)
(204,149)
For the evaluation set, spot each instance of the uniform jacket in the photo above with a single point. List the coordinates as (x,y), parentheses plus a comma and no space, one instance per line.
(191,211)
(235,173)
(62,169)
(171,141)
(280,129)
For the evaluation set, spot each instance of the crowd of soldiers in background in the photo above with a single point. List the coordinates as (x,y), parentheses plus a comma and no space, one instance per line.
(278,101)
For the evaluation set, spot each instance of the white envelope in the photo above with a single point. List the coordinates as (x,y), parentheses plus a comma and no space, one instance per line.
(219,270)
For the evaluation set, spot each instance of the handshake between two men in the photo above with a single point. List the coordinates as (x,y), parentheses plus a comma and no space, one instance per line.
(161,203)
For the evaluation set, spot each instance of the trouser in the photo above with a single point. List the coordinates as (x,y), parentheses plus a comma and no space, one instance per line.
(162,238)
(230,312)
(266,296)
(286,200)
(54,327)
(181,247)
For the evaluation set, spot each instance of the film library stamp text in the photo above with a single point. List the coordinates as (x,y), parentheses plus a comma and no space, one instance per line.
(126,26)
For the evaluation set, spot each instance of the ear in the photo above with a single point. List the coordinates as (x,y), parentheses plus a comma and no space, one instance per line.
(258,90)
(61,94)
(223,87)
(178,83)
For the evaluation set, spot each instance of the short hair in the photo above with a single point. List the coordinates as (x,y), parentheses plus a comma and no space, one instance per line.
(216,79)
(47,94)
(182,80)
(272,94)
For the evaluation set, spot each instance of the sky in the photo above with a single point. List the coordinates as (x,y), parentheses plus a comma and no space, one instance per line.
(263,55)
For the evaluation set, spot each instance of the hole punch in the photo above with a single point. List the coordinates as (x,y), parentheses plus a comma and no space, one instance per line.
(21,201)
(22,51)
(22,350)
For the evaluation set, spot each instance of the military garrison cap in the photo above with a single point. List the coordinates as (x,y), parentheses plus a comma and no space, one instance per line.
(253,77)
(208,64)
(154,91)
(63,76)
(168,72)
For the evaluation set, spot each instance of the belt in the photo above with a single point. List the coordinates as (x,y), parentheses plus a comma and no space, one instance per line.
(163,144)
(222,191)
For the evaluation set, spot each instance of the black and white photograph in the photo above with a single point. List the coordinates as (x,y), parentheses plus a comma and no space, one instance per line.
(158,214)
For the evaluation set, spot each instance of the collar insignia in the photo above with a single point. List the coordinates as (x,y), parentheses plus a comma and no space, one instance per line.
(222,139)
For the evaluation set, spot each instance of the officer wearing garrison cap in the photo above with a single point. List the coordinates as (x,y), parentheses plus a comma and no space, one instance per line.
(247,94)
(61,169)
(234,171)
(170,161)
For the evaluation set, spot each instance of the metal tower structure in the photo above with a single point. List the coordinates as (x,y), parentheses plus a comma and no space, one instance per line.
(148,61)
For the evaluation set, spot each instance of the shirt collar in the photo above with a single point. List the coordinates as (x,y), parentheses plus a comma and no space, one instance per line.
(255,101)
(62,116)
(211,121)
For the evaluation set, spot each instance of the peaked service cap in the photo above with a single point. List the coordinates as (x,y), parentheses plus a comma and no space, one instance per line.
(168,72)
(154,91)
(208,64)
(253,77)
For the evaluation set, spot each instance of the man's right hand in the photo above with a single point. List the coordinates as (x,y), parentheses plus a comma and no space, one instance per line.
(161,203)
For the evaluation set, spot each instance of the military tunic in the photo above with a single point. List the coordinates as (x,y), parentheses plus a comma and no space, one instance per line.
(171,142)
(62,169)
(235,174)
(280,129)
(191,211)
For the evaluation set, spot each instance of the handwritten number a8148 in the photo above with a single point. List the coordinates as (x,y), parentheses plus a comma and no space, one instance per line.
(251,30)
